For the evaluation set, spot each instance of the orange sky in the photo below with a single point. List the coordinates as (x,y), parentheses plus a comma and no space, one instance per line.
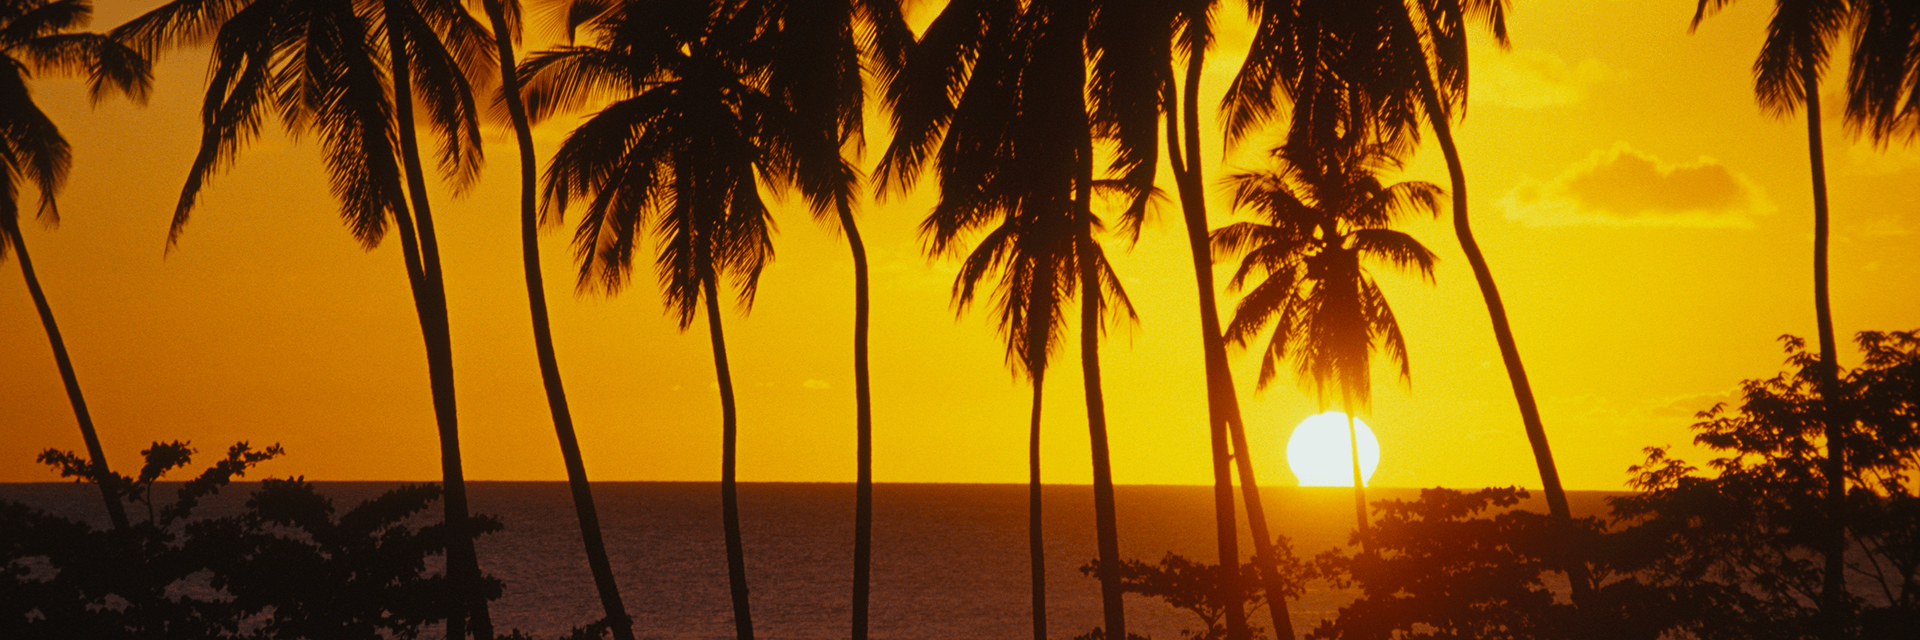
(1649,228)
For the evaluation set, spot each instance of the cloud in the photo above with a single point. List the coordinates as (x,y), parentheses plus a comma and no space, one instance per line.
(816,384)
(1623,187)
(1533,79)
(1690,406)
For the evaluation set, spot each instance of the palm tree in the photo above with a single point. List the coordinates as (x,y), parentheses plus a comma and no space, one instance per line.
(1385,66)
(1883,80)
(678,151)
(1133,84)
(1016,145)
(816,69)
(319,64)
(598,563)
(36,36)
(1325,211)
(1786,77)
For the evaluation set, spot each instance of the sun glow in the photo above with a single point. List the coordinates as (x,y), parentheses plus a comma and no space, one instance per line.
(1319,454)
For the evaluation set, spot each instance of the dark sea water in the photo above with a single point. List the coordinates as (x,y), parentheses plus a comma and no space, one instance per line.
(950,560)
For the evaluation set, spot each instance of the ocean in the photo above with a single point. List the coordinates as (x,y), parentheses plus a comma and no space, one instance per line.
(950,560)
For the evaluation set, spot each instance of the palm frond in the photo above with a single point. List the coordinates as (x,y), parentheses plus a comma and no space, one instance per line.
(236,95)
(1883,79)
(180,23)
(1397,248)
(31,147)
(568,78)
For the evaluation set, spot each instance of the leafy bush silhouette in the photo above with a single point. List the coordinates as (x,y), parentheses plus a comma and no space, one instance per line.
(1742,548)
(1195,587)
(285,567)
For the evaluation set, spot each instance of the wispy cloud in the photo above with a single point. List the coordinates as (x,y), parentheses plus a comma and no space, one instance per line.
(1624,187)
(1534,79)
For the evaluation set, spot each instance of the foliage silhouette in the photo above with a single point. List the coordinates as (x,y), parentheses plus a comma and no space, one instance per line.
(352,71)
(1742,542)
(1197,587)
(37,37)
(1786,77)
(284,567)
(681,149)
(1324,211)
(1375,69)
(1883,78)
(1435,569)
(994,95)
(1731,555)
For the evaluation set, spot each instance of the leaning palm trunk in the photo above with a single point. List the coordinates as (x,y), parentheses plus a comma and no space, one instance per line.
(1106,521)
(1833,591)
(1106,525)
(863,427)
(116,511)
(1223,404)
(1438,116)
(729,493)
(430,301)
(583,506)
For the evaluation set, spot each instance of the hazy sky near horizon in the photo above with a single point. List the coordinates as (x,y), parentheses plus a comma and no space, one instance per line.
(1649,227)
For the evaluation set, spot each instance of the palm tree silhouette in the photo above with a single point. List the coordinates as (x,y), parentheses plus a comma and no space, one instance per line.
(36,36)
(505,32)
(319,65)
(1383,67)
(815,67)
(1883,80)
(1325,211)
(678,151)
(1786,77)
(994,94)
(1133,84)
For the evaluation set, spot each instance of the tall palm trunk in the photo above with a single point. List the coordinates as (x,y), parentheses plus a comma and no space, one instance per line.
(1223,403)
(1437,116)
(1036,539)
(729,494)
(430,303)
(116,511)
(1834,587)
(598,561)
(1106,521)
(863,427)
(1359,480)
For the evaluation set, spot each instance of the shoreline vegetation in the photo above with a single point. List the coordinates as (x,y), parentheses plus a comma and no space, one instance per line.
(1682,553)
(1041,124)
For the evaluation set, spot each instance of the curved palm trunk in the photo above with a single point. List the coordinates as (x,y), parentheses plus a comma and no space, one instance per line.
(729,494)
(1106,525)
(598,561)
(1577,573)
(430,303)
(863,428)
(1106,521)
(1359,482)
(116,511)
(1223,403)
(1834,586)
(1036,540)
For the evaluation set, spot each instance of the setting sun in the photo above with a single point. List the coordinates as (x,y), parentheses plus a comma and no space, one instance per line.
(1319,454)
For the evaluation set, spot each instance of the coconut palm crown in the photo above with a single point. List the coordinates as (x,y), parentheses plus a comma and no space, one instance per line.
(1324,213)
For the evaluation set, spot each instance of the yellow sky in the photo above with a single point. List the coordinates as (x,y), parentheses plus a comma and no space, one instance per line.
(1649,228)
